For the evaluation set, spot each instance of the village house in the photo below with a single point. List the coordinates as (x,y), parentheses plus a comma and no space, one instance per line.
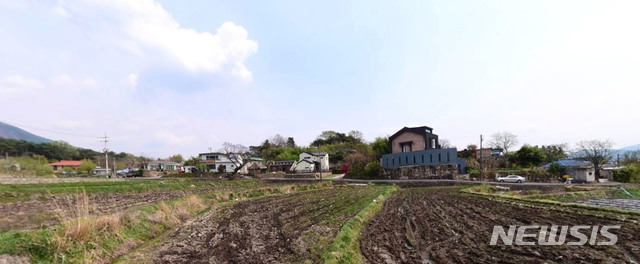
(253,167)
(281,165)
(304,165)
(311,162)
(162,165)
(217,161)
(580,171)
(416,153)
(60,165)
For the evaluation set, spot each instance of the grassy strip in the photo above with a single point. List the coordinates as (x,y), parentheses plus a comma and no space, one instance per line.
(22,192)
(83,238)
(346,246)
(529,199)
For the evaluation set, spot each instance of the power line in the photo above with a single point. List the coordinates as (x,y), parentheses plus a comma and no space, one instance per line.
(47,130)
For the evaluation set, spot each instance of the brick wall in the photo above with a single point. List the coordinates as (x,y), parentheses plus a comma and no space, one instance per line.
(418,142)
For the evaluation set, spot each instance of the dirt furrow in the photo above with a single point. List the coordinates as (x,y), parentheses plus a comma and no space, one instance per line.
(443,226)
(290,228)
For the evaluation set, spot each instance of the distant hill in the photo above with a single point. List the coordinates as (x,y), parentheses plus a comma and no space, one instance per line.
(631,148)
(12,132)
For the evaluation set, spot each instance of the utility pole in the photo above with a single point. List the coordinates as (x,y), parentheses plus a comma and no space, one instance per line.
(106,154)
(481,167)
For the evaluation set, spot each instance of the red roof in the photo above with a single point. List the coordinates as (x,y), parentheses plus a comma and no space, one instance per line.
(67,163)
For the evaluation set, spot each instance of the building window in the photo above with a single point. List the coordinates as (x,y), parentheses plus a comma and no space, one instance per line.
(431,158)
(439,157)
(406,159)
(422,158)
(448,157)
(414,159)
(393,162)
(433,143)
(399,161)
(406,148)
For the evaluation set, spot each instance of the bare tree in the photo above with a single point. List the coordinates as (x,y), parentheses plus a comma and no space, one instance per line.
(356,134)
(503,140)
(444,143)
(237,153)
(278,140)
(598,152)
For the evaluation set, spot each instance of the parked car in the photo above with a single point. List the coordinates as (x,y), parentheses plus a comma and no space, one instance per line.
(511,178)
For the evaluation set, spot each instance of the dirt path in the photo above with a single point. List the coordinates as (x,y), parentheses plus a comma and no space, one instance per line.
(291,228)
(443,226)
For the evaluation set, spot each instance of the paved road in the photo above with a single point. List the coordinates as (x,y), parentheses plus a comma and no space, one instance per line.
(627,204)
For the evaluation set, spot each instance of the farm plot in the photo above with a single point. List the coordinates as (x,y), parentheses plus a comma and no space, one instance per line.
(281,229)
(444,226)
(31,206)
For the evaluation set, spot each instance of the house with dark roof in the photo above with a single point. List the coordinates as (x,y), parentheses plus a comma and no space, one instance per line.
(579,170)
(304,165)
(281,165)
(320,161)
(419,147)
(410,139)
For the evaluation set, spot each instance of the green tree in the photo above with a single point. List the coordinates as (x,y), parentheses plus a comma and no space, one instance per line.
(557,169)
(528,156)
(176,158)
(87,166)
(291,143)
(554,152)
(380,146)
(630,173)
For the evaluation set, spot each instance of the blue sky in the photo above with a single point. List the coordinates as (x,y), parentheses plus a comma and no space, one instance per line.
(166,77)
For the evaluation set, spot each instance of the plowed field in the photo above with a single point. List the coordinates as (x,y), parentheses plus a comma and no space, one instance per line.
(281,229)
(40,212)
(444,226)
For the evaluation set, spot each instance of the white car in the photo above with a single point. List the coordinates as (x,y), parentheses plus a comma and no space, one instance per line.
(511,178)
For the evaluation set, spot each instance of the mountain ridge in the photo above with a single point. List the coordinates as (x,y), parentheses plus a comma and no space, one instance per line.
(12,132)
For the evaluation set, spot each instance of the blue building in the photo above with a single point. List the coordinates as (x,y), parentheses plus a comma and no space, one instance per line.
(418,146)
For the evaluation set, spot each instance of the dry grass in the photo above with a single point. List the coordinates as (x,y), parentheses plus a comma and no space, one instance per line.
(172,215)
(78,226)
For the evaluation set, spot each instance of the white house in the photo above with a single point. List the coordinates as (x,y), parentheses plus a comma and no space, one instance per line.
(162,165)
(216,160)
(304,165)
(320,161)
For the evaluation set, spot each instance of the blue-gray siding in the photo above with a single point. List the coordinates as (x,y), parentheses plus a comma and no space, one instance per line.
(424,157)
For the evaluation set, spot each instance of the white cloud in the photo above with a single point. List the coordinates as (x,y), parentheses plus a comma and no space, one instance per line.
(143,26)
(14,84)
(60,11)
(66,81)
(172,139)
(133,80)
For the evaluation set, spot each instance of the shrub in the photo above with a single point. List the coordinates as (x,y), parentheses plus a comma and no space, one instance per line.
(27,166)
(630,173)
(87,166)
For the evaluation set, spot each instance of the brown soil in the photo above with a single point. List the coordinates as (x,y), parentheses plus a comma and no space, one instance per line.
(41,211)
(444,226)
(282,229)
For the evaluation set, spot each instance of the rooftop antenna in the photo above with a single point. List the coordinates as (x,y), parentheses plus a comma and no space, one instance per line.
(106,155)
